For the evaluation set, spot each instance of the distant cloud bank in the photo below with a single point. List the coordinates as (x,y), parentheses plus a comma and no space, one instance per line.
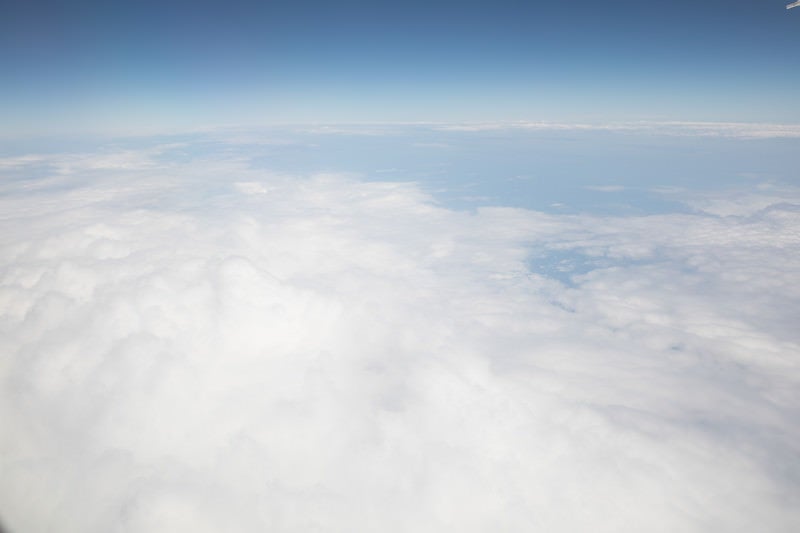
(196,344)
(239,134)
(703,129)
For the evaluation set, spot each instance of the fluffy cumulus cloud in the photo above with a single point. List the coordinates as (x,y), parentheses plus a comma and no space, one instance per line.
(199,345)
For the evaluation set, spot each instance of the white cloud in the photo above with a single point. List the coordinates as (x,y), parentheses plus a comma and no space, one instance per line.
(208,347)
(740,130)
(605,188)
(732,130)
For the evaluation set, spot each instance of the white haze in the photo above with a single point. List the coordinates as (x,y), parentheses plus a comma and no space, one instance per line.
(203,346)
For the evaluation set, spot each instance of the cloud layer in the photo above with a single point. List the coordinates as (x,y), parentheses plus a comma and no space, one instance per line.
(738,130)
(203,346)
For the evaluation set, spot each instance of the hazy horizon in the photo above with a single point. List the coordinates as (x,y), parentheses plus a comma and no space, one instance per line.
(98,66)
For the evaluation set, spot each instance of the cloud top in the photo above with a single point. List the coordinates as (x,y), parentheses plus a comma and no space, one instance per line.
(205,346)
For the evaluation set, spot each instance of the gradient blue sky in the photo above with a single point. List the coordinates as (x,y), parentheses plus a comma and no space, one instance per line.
(146,65)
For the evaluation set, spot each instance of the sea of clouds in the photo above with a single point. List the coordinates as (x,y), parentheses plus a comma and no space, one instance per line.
(199,345)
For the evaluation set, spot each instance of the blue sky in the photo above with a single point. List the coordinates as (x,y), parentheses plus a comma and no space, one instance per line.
(148,65)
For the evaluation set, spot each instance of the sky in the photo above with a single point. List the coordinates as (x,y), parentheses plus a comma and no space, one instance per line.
(148,66)
(399,267)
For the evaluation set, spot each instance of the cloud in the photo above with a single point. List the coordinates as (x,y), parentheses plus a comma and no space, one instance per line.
(739,130)
(730,130)
(605,188)
(205,346)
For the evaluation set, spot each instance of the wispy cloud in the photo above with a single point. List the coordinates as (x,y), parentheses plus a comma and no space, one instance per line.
(605,188)
(702,129)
